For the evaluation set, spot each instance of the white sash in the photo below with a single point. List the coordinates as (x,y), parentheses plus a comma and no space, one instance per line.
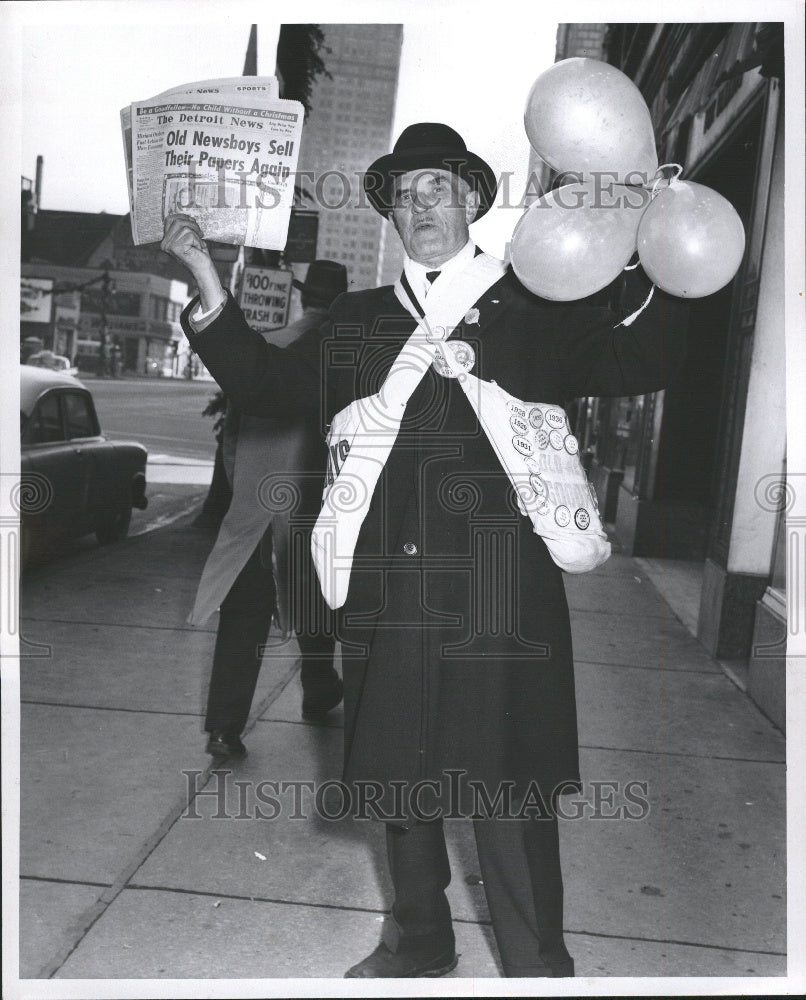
(540,455)
(538,452)
(362,435)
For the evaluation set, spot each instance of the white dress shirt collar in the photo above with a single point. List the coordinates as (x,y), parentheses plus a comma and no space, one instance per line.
(416,273)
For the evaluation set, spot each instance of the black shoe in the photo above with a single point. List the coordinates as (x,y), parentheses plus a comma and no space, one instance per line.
(222,744)
(561,970)
(319,698)
(385,964)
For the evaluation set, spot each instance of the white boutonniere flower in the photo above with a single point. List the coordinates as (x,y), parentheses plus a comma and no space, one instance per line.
(472,316)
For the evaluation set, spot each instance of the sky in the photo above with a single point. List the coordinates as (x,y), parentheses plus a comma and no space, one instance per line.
(82,62)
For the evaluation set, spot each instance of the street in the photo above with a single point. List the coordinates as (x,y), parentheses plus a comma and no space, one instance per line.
(165,415)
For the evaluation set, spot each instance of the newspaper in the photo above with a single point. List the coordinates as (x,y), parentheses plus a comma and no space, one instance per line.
(222,151)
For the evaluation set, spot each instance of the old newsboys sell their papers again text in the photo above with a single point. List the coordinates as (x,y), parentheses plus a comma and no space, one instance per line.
(222,151)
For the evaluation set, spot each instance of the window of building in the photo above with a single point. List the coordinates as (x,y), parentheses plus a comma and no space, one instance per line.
(162,308)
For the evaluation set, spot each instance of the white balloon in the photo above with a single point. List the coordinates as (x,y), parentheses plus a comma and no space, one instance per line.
(585,115)
(691,240)
(576,239)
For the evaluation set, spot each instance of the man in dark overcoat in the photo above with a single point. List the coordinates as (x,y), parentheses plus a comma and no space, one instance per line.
(457,662)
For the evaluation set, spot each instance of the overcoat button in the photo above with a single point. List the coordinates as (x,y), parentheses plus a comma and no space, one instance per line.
(410,549)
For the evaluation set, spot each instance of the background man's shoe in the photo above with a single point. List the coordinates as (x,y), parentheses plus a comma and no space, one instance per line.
(385,964)
(221,744)
(319,698)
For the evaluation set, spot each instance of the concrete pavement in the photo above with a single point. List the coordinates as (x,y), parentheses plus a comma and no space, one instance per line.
(139,858)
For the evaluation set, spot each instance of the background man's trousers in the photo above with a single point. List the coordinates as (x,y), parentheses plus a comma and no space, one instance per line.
(520,868)
(243,630)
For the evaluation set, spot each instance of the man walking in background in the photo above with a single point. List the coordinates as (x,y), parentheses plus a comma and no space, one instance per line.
(275,467)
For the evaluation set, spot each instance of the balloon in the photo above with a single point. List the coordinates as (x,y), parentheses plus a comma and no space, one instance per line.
(576,239)
(690,240)
(585,115)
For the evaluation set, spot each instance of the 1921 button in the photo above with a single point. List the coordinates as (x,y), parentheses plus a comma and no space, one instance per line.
(410,549)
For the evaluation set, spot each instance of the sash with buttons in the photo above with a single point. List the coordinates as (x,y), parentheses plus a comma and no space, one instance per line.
(362,435)
(540,455)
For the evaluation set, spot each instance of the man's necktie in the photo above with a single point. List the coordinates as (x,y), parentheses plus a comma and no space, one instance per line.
(432,276)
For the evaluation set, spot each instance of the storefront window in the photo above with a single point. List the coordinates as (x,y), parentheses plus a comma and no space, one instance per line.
(619,437)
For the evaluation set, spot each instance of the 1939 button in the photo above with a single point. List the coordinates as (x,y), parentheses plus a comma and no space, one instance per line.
(410,549)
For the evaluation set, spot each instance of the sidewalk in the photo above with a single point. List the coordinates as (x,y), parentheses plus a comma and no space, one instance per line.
(119,881)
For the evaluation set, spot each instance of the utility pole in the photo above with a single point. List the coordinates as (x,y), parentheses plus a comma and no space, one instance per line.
(104,362)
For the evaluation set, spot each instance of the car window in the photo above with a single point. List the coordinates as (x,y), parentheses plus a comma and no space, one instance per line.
(46,422)
(78,415)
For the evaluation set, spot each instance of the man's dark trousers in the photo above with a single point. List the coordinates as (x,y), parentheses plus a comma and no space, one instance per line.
(520,869)
(243,630)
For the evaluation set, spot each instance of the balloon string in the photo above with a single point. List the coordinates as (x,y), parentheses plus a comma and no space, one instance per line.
(633,316)
(663,166)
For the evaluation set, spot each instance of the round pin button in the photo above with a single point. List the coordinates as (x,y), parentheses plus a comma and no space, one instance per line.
(410,549)
(542,505)
(463,355)
(522,445)
(542,439)
(555,418)
(518,425)
(538,486)
(571,444)
(582,519)
(562,515)
(536,417)
(556,440)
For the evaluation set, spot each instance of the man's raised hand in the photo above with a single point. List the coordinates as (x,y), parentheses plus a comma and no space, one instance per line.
(184,242)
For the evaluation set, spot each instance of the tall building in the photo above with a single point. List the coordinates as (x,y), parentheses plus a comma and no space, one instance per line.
(349,125)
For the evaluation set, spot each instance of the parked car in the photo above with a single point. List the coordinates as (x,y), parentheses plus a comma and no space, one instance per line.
(56,362)
(73,480)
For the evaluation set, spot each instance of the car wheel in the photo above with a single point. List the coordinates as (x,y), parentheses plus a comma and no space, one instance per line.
(113,523)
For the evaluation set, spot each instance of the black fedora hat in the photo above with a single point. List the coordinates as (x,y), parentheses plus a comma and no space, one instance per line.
(324,281)
(423,146)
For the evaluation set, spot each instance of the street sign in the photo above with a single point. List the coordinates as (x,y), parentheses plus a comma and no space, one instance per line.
(266,297)
(303,231)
